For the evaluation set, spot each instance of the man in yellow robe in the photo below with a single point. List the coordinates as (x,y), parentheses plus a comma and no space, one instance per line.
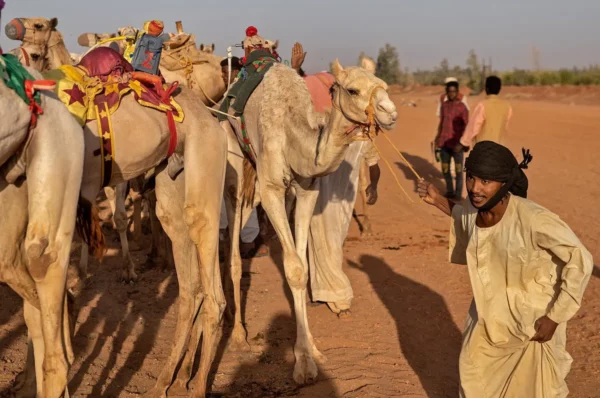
(528,272)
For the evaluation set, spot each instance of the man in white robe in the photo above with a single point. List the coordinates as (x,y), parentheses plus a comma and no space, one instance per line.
(330,223)
(528,272)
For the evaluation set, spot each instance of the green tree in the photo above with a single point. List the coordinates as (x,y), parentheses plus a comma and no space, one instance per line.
(473,70)
(388,65)
(360,58)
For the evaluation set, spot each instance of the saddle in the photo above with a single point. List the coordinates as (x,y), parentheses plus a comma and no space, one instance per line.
(181,52)
(256,66)
(93,89)
(104,62)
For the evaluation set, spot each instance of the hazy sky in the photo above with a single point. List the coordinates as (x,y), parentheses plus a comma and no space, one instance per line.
(566,33)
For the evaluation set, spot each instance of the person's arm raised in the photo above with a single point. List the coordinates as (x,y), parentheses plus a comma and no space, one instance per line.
(431,195)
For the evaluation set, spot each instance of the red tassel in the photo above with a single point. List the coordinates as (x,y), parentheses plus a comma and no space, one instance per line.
(251,31)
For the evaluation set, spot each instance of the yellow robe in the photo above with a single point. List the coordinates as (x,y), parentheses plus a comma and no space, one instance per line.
(528,265)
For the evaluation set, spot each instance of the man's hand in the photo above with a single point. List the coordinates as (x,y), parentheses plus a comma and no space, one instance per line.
(459,148)
(371,194)
(298,56)
(427,191)
(545,328)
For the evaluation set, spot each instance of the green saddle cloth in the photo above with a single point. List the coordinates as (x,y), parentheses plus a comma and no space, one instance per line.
(252,73)
(14,75)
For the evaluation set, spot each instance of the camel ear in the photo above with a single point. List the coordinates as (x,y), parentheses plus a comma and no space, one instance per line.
(53,23)
(276,44)
(213,47)
(368,64)
(337,70)
(201,46)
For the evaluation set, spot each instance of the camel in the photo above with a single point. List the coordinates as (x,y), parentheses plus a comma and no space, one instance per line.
(41,173)
(205,76)
(293,145)
(48,41)
(207,49)
(188,209)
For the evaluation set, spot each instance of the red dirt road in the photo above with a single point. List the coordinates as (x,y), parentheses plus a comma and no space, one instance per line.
(403,337)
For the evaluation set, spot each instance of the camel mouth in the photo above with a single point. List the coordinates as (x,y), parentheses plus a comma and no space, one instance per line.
(387,121)
(15,29)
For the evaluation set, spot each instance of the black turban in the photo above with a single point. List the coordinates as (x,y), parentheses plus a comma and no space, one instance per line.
(494,162)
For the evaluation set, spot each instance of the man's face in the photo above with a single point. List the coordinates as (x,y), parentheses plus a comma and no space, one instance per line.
(480,190)
(451,92)
(225,74)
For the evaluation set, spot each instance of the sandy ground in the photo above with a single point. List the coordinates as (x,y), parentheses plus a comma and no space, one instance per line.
(404,335)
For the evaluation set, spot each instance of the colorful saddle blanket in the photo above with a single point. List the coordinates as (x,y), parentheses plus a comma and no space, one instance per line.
(93,90)
(107,81)
(319,86)
(252,73)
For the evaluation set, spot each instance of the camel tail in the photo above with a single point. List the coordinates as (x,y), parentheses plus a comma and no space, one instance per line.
(89,227)
(248,183)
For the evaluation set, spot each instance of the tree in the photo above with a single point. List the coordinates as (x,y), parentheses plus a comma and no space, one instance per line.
(444,67)
(473,70)
(360,58)
(388,65)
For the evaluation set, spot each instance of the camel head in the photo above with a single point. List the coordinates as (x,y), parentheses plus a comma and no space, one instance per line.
(32,55)
(31,30)
(356,89)
(271,45)
(207,49)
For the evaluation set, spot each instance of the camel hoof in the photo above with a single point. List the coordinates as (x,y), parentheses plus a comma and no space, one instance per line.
(179,388)
(238,340)
(344,314)
(319,358)
(305,370)
(129,276)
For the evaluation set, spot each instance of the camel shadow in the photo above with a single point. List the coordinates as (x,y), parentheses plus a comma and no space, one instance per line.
(116,315)
(596,271)
(261,377)
(428,337)
(12,303)
(425,168)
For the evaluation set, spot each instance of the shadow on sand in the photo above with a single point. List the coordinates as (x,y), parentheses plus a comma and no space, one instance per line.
(428,336)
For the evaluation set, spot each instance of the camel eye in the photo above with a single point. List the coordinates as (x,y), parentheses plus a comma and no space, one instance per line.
(38,26)
(353,92)
(35,57)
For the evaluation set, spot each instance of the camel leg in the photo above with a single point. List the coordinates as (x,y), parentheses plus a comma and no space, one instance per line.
(169,210)
(117,202)
(47,247)
(363,183)
(203,197)
(35,349)
(237,215)
(161,251)
(136,196)
(296,271)
(239,333)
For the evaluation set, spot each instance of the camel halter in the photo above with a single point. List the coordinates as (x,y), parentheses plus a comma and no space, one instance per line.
(25,56)
(370,129)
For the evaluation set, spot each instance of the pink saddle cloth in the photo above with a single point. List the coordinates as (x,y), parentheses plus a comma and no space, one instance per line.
(318,86)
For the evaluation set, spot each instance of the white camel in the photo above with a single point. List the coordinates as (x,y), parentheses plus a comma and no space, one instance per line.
(293,145)
(41,171)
